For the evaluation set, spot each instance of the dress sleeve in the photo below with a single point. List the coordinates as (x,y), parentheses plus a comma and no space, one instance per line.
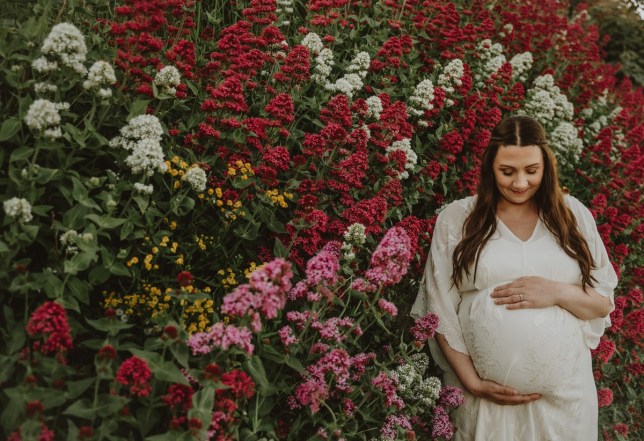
(437,294)
(604,273)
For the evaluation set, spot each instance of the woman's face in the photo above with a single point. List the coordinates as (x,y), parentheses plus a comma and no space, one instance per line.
(518,172)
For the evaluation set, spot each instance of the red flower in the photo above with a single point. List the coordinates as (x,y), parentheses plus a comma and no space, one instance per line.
(605,397)
(107,352)
(296,67)
(135,373)
(184,278)
(179,397)
(240,383)
(281,108)
(34,408)
(49,321)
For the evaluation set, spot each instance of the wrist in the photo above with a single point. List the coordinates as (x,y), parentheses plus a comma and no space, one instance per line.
(557,290)
(472,385)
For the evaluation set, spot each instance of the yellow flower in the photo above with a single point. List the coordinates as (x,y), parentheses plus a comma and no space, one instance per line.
(211,191)
(232,172)
(179,260)
(173,225)
(177,184)
(218,192)
(174,247)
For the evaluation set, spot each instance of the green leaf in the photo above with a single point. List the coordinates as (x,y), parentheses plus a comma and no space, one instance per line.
(279,250)
(255,368)
(119,269)
(79,262)
(9,128)
(110,325)
(21,153)
(137,108)
(106,222)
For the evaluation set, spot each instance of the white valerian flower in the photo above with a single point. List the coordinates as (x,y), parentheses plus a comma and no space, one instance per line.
(374,107)
(142,138)
(450,78)
(355,234)
(411,160)
(197,178)
(342,85)
(507,30)
(100,74)
(360,64)
(285,6)
(313,43)
(493,65)
(43,117)
(67,44)
(546,103)
(168,78)
(492,58)
(421,99)
(43,87)
(43,65)
(16,68)
(146,157)
(564,139)
(19,209)
(143,189)
(323,63)
(521,65)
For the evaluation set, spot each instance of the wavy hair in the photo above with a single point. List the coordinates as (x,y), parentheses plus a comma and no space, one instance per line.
(480,224)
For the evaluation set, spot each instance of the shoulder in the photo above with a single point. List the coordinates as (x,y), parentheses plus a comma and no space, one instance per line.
(581,212)
(454,213)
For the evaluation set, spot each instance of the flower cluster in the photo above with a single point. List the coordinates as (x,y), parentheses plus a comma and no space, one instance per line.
(135,374)
(142,138)
(43,117)
(410,157)
(168,79)
(100,74)
(65,44)
(19,209)
(49,322)
(196,177)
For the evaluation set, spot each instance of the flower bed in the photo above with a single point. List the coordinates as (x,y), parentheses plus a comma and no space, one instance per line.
(214,217)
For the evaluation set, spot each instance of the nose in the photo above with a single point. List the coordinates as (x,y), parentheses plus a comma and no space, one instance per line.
(521,182)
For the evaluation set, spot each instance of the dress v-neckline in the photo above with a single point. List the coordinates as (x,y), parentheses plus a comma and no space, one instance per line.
(532,236)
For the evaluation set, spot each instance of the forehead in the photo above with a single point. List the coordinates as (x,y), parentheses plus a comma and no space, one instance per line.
(518,156)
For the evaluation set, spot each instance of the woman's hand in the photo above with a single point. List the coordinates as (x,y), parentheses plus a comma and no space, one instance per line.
(498,394)
(526,292)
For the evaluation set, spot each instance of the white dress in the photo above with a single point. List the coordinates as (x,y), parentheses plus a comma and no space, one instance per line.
(544,351)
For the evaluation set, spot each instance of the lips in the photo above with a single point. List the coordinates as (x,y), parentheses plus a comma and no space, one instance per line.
(519,193)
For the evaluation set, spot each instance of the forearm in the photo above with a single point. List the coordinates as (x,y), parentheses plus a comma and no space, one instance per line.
(461,364)
(585,305)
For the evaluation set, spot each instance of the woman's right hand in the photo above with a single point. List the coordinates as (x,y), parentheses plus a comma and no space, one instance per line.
(498,394)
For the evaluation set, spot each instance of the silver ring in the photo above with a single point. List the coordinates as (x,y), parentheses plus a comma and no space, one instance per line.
(521,297)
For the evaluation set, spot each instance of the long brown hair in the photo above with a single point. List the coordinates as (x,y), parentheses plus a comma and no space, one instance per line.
(480,224)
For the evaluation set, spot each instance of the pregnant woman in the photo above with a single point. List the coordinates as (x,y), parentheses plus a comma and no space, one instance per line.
(523,286)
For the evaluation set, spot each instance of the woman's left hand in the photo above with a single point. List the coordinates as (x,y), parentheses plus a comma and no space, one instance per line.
(526,292)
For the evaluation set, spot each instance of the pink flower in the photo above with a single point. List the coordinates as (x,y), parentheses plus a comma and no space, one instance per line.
(286,335)
(390,261)
(221,336)
(135,373)
(442,427)
(311,393)
(388,307)
(49,321)
(450,396)
(425,327)
(389,429)
(387,386)
(323,268)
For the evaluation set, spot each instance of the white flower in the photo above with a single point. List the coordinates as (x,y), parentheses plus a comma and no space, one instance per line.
(322,69)
(521,65)
(546,103)
(143,189)
(146,157)
(421,99)
(87,237)
(168,78)
(101,73)
(197,178)
(492,58)
(360,64)
(104,93)
(355,234)
(19,209)
(313,43)
(342,85)
(410,155)
(66,43)
(43,65)
(69,239)
(564,139)
(494,64)
(44,87)
(43,116)
(142,137)
(452,74)
(16,68)
(374,107)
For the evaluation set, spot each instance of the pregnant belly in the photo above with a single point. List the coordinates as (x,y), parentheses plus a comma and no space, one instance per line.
(532,350)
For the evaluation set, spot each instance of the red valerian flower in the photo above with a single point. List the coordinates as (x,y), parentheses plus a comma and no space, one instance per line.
(605,397)
(49,321)
(296,67)
(241,385)
(135,373)
(281,108)
(107,352)
(179,397)
(184,278)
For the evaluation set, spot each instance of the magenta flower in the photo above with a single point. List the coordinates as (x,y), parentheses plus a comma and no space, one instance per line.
(442,427)
(388,307)
(221,336)
(425,327)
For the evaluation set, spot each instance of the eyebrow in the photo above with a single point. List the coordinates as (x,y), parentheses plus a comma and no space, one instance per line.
(536,164)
